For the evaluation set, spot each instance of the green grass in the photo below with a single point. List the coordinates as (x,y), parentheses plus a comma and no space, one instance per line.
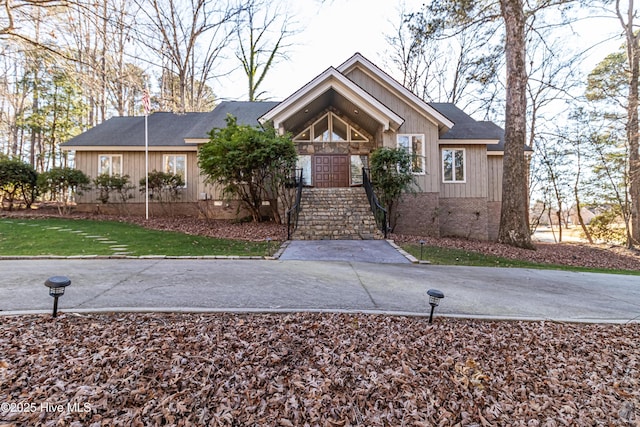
(68,237)
(446,256)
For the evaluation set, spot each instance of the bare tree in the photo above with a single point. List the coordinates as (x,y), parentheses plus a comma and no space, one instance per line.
(190,38)
(461,67)
(262,31)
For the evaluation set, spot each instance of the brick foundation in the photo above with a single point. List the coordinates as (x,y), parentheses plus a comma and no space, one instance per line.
(494,209)
(418,215)
(468,218)
(202,209)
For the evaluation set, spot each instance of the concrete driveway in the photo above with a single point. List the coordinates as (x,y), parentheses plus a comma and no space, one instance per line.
(262,285)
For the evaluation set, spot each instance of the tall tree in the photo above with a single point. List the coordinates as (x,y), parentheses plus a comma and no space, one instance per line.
(514,214)
(262,30)
(190,37)
(462,67)
(632,35)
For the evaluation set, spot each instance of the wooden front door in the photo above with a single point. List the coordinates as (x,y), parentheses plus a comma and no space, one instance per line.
(330,171)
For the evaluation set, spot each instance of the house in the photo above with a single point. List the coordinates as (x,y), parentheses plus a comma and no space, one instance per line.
(336,120)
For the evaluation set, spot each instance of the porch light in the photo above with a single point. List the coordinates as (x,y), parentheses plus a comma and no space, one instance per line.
(421,248)
(56,285)
(434,299)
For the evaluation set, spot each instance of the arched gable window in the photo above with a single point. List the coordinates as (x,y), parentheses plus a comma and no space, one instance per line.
(330,128)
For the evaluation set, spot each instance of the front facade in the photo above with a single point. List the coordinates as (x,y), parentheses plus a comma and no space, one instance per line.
(336,121)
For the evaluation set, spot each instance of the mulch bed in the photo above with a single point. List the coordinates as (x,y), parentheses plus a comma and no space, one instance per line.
(314,369)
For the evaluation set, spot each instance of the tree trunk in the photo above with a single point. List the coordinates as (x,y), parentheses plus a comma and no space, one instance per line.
(514,217)
(576,193)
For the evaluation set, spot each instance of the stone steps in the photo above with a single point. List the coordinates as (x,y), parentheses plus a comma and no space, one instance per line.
(336,214)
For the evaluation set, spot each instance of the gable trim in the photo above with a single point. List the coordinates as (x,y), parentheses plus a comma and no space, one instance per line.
(332,79)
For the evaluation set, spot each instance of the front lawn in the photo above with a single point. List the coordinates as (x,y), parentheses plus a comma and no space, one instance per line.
(69,237)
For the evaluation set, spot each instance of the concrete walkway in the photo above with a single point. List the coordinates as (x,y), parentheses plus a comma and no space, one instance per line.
(377,251)
(262,285)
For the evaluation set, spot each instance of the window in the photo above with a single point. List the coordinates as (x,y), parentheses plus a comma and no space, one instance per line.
(175,164)
(414,145)
(330,128)
(453,165)
(110,164)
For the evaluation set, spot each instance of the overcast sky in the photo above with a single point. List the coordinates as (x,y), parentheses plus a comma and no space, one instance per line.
(332,31)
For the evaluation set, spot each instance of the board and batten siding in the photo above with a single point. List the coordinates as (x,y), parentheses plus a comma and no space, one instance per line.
(476,183)
(133,164)
(414,123)
(495,177)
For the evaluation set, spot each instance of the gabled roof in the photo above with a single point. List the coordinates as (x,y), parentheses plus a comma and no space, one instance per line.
(331,79)
(167,129)
(359,61)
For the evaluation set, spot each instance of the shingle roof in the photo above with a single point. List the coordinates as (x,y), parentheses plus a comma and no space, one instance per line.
(171,130)
(168,129)
(465,127)
(246,112)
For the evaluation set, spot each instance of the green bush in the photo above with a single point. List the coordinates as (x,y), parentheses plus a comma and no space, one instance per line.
(163,187)
(391,176)
(62,185)
(608,227)
(121,185)
(18,183)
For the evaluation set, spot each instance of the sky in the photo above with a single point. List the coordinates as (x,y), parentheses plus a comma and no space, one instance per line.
(331,31)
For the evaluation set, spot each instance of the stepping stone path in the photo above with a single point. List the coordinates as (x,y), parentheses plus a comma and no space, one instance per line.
(118,249)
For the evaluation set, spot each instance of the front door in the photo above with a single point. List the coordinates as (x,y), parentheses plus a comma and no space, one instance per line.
(331,170)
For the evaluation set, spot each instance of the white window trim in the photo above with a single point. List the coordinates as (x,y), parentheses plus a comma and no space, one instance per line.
(331,116)
(111,156)
(464,166)
(422,155)
(164,162)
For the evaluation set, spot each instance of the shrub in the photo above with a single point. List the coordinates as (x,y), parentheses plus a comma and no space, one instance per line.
(18,183)
(62,185)
(391,176)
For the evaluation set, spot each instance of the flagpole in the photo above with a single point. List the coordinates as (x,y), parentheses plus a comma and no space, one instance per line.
(146,165)
(146,104)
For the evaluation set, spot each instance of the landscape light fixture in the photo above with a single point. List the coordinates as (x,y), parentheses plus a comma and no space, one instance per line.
(421,248)
(434,299)
(269,246)
(56,285)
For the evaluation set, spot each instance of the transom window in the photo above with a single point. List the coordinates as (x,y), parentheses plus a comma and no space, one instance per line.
(110,164)
(414,145)
(330,128)
(175,164)
(453,165)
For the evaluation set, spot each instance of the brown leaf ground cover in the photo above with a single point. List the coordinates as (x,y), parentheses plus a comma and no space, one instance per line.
(314,369)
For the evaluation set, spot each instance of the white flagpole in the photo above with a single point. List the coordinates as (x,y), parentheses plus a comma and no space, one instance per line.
(146,165)
(146,103)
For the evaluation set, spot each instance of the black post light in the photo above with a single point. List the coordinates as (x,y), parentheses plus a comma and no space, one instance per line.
(269,246)
(434,299)
(421,248)
(56,285)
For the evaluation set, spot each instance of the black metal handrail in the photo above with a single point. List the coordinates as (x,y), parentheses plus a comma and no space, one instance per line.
(292,214)
(379,213)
